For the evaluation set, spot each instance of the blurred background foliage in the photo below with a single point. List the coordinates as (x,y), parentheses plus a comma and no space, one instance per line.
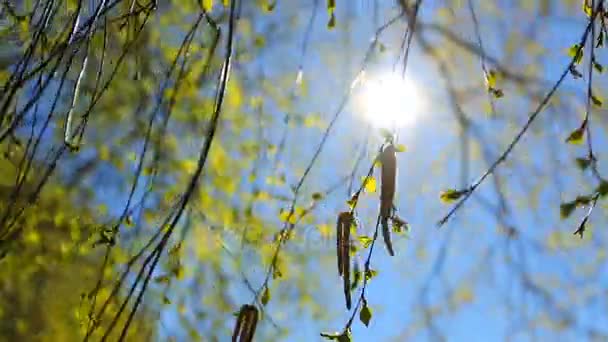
(83,218)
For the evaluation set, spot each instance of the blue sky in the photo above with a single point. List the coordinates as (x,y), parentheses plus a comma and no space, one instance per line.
(469,255)
(432,164)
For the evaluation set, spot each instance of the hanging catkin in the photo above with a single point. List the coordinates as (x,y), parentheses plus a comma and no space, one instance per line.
(245,324)
(345,221)
(388,160)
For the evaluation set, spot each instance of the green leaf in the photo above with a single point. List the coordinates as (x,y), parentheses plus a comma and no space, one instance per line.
(356,277)
(596,100)
(602,189)
(576,52)
(352,202)
(369,274)
(332,21)
(581,201)
(566,209)
(497,93)
(345,337)
(340,337)
(598,67)
(265,296)
(365,241)
(166,300)
(576,137)
(271,5)
(129,221)
(317,196)
(600,39)
(583,163)
(162,279)
(451,195)
(331,5)
(365,315)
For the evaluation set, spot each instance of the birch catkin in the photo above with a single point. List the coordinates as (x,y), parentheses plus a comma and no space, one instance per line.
(246,324)
(345,220)
(387,192)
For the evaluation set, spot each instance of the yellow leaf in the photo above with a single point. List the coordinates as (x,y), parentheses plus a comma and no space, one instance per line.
(576,137)
(207,5)
(587,9)
(491,79)
(369,183)
(288,216)
(451,195)
(400,148)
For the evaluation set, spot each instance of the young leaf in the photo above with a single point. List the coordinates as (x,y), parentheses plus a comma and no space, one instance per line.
(497,93)
(129,221)
(271,5)
(265,296)
(491,77)
(596,100)
(576,52)
(369,274)
(207,5)
(587,9)
(356,278)
(365,241)
(287,216)
(400,148)
(365,315)
(565,209)
(399,225)
(576,137)
(317,196)
(369,183)
(602,189)
(582,201)
(583,163)
(162,279)
(451,195)
(598,67)
(352,202)
(332,21)
(340,337)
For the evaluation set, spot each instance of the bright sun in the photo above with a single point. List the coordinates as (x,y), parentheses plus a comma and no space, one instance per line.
(390,101)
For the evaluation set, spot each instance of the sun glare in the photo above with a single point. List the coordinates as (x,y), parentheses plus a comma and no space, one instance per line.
(390,101)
